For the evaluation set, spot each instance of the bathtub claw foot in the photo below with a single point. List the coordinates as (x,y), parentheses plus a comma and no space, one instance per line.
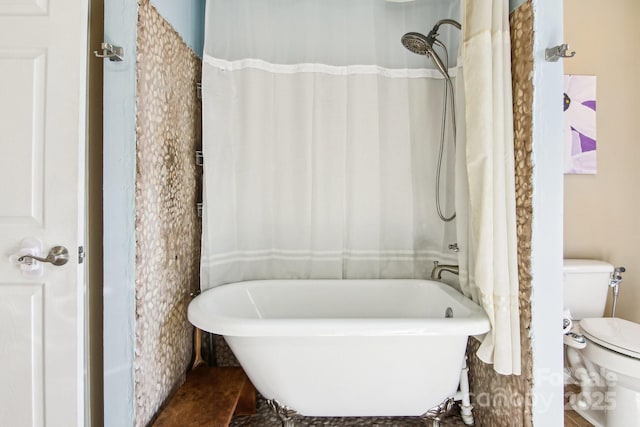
(284,413)
(436,414)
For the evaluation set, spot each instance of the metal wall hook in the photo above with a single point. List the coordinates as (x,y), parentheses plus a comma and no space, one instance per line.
(552,54)
(114,53)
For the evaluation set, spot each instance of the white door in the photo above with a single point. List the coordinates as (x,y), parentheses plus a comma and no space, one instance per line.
(42,139)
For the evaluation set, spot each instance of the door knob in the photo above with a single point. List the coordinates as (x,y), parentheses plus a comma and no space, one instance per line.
(58,255)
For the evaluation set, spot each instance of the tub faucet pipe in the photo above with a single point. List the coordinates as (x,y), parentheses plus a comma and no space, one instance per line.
(465,395)
(436,273)
(614,284)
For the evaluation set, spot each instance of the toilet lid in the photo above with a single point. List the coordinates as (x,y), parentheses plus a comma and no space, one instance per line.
(615,334)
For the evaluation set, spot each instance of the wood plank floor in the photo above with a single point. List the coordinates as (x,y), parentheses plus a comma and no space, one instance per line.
(209,398)
(571,417)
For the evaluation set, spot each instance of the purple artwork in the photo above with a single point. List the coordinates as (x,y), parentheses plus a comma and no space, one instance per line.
(580,124)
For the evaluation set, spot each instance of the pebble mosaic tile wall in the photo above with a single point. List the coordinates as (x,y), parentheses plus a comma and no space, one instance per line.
(167,225)
(505,400)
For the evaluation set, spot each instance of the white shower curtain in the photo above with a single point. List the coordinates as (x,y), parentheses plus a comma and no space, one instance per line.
(492,258)
(320,137)
(320,140)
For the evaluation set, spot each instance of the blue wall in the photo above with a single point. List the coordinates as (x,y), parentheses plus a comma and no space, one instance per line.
(515,3)
(119,177)
(187,18)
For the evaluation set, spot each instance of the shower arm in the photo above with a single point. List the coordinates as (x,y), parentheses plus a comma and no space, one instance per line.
(447,21)
(434,31)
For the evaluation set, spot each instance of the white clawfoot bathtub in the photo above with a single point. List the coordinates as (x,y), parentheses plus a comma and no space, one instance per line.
(345,347)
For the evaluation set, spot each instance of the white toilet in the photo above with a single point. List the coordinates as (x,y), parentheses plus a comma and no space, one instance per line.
(602,353)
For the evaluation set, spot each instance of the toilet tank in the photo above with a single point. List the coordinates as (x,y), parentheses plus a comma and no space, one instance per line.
(586,284)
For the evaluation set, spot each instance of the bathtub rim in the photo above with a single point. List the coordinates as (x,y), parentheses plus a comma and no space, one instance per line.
(476,323)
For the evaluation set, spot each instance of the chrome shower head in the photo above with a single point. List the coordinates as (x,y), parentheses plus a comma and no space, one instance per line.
(423,45)
(417,43)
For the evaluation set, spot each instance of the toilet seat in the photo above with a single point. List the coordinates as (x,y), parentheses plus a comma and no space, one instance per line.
(619,335)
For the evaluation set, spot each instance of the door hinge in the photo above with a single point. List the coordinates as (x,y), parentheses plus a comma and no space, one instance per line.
(81,254)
